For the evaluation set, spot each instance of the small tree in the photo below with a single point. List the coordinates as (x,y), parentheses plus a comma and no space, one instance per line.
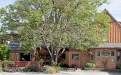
(4,52)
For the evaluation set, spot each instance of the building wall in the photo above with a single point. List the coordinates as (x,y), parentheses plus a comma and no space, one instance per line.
(85,57)
(114,35)
(15,54)
(110,64)
(81,62)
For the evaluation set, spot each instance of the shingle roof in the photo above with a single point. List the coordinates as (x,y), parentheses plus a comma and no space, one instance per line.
(110,45)
(15,46)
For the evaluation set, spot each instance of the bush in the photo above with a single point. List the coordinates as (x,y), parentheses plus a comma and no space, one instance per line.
(41,61)
(58,68)
(7,64)
(33,68)
(53,69)
(118,66)
(90,65)
(50,70)
(63,65)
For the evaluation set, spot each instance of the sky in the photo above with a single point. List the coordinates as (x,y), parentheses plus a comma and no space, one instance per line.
(114,7)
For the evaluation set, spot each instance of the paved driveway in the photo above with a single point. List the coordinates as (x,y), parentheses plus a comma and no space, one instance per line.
(65,73)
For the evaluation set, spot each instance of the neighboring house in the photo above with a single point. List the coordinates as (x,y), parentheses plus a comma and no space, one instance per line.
(17,54)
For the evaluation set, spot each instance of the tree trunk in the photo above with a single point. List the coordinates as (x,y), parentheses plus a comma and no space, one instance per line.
(56,59)
(53,60)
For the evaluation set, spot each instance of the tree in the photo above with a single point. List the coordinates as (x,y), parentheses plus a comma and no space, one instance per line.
(4,52)
(56,24)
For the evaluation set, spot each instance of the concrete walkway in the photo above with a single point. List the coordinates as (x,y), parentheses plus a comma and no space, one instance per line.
(81,72)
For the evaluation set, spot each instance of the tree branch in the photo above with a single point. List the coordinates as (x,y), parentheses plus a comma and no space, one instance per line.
(61,52)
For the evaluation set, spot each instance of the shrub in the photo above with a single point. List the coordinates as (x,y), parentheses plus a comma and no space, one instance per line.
(63,65)
(58,68)
(90,65)
(118,66)
(53,69)
(50,70)
(41,61)
(6,64)
(33,68)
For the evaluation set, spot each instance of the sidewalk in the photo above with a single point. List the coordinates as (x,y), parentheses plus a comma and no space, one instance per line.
(78,72)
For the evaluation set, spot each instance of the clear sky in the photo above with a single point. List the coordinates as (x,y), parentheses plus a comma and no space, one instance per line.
(114,7)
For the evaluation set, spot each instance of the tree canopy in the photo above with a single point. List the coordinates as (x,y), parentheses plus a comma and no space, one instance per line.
(56,24)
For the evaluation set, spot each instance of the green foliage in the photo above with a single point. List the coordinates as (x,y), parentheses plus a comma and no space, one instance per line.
(90,65)
(6,64)
(75,23)
(41,61)
(63,65)
(58,69)
(118,66)
(4,52)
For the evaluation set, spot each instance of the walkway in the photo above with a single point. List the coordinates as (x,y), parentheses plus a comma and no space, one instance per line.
(81,72)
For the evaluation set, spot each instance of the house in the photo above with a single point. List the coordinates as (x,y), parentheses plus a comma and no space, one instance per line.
(18,56)
(109,53)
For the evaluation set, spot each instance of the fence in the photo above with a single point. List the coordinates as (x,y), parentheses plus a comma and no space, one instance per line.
(25,63)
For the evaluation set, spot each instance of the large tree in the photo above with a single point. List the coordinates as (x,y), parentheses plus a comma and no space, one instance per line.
(56,24)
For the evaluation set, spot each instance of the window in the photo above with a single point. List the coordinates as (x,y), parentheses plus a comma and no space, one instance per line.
(112,53)
(98,55)
(112,56)
(63,56)
(75,56)
(92,55)
(118,56)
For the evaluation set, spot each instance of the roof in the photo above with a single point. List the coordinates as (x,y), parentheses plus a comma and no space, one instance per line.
(15,46)
(110,45)
(112,17)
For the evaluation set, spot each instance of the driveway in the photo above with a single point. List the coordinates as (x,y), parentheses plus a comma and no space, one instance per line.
(81,72)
